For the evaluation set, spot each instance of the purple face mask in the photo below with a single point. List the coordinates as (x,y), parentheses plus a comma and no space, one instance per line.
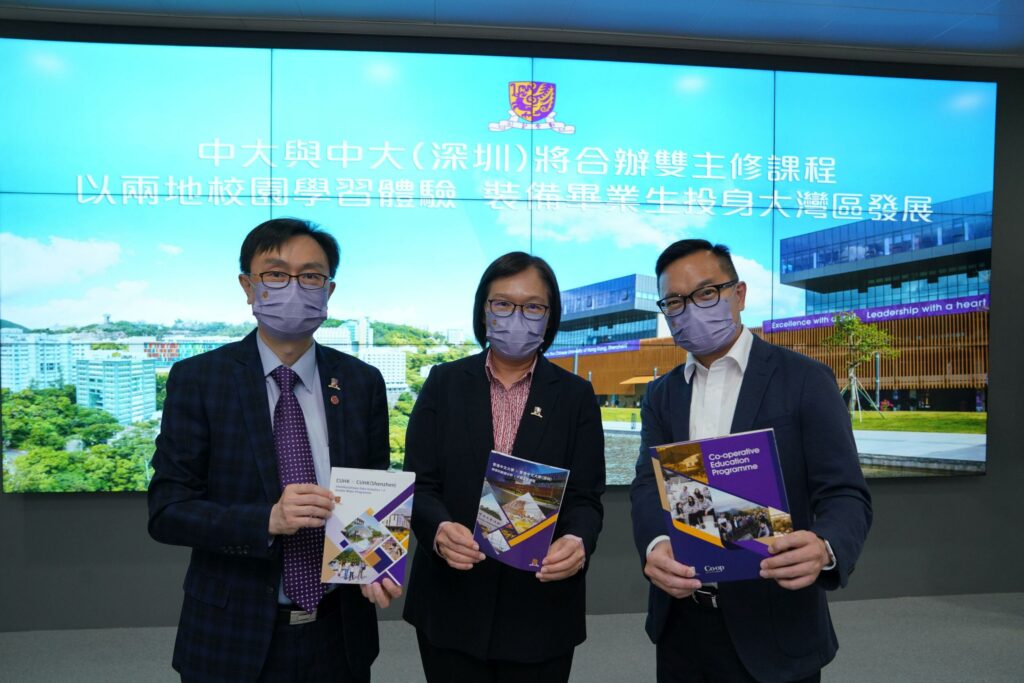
(515,337)
(291,312)
(702,331)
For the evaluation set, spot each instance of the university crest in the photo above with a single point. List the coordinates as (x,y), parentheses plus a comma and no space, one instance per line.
(532,107)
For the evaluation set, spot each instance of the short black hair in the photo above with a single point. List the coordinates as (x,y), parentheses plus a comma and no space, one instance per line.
(270,235)
(684,248)
(508,265)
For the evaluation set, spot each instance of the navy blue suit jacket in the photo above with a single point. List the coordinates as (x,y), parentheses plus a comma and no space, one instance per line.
(493,611)
(215,481)
(780,635)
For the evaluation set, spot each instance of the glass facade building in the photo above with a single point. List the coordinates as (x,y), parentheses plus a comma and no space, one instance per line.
(616,310)
(878,263)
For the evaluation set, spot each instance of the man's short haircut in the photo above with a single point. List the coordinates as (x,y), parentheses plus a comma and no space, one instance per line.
(270,235)
(684,248)
(510,264)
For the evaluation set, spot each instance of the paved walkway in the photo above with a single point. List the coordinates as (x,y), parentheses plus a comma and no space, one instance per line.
(911,445)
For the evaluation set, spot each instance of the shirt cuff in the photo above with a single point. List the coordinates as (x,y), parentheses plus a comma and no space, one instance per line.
(436,534)
(656,541)
(831,557)
(582,545)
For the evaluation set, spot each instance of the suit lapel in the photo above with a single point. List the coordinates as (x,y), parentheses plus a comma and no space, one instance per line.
(760,367)
(477,392)
(679,394)
(335,397)
(539,403)
(252,392)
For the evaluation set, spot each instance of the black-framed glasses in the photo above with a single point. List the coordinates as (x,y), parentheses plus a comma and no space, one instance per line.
(277,279)
(504,309)
(702,297)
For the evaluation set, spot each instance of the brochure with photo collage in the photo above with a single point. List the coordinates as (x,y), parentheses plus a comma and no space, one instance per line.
(367,535)
(724,502)
(519,506)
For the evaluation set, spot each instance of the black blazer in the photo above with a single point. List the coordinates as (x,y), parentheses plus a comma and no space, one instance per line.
(215,480)
(780,635)
(493,611)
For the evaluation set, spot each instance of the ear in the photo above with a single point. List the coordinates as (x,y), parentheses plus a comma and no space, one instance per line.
(741,295)
(247,287)
(330,288)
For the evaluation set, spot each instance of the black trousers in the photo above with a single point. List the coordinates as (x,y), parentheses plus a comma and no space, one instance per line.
(696,648)
(311,653)
(448,666)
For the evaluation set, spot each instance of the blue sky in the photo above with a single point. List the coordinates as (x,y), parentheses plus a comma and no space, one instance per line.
(122,110)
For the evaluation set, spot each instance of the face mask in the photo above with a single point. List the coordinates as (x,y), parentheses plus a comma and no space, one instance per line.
(702,331)
(291,312)
(515,337)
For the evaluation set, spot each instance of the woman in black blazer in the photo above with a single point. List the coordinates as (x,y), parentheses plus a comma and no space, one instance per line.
(477,619)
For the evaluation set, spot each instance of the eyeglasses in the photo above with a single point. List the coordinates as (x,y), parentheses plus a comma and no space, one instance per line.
(276,279)
(504,309)
(702,297)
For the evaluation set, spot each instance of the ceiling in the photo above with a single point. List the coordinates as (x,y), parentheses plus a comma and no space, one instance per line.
(969,32)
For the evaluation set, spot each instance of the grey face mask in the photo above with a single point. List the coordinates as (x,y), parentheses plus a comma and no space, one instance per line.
(291,312)
(702,331)
(515,337)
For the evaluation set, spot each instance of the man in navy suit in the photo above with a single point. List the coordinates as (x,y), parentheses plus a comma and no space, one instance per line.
(776,629)
(249,498)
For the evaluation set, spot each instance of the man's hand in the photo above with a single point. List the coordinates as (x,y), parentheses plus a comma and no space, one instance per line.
(797,559)
(670,576)
(381,594)
(565,557)
(300,505)
(456,546)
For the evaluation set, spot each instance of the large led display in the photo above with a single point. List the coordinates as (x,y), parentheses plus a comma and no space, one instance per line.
(129,175)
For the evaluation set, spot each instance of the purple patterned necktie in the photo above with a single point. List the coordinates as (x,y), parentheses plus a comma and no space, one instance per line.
(304,549)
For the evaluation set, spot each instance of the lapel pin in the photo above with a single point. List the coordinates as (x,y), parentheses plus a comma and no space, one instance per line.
(536,412)
(334,384)
(335,400)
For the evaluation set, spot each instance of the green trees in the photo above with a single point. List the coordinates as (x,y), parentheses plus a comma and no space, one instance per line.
(861,341)
(52,444)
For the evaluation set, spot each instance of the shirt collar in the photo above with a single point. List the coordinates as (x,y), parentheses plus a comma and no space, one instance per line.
(489,369)
(739,354)
(304,367)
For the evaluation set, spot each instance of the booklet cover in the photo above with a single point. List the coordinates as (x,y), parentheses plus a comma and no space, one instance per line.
(518,510)
(724,500)
(367,535)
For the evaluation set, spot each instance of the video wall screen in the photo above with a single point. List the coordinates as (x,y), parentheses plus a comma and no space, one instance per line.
(129,175)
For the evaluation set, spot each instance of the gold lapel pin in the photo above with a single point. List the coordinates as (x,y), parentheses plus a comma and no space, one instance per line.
(334,384)
(536,412)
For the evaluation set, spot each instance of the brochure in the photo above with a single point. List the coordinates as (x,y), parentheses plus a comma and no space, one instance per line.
(724,501)
(367,535)
(518,510)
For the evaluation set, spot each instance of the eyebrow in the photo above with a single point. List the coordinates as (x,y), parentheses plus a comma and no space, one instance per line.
(281,262)
(507,297)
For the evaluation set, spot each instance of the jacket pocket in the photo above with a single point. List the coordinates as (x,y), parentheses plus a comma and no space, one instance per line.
(210,590)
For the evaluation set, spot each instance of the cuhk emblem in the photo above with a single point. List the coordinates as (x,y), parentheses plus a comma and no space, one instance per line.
(531,107)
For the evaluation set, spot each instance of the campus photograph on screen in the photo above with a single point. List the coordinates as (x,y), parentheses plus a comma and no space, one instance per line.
(858,210)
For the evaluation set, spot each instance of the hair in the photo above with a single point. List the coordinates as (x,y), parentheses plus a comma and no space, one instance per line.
(684,248)
(270,235)
(510,264)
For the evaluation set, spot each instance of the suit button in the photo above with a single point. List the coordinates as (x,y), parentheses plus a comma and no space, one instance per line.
(270,590)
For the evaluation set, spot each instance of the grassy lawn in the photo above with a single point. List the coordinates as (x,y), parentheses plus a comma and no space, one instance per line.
(902,421)
(922,421)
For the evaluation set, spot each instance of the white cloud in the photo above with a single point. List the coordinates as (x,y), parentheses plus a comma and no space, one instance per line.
(767,298)
(624,229)
(134,300)
(24,261)
(967,101)
(382,72)
(691,84)
(49,63)
(171,249)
